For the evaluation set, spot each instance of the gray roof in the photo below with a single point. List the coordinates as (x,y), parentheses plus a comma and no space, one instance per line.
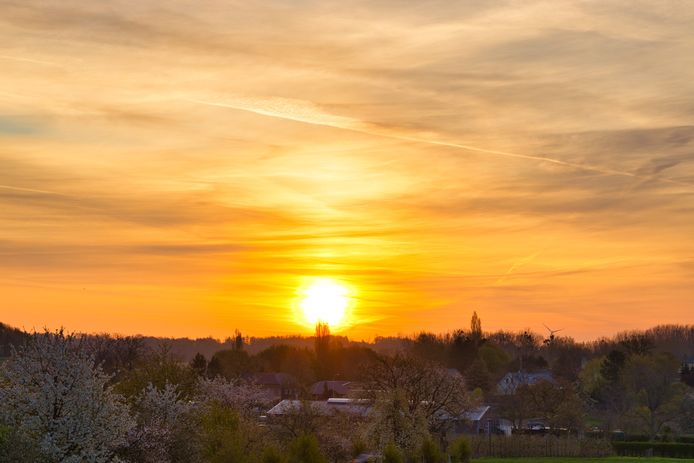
(322,407)
(510,382)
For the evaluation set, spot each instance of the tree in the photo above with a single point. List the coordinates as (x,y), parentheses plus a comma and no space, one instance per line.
(164,427)
(221,437)
(609,392)
(159,368)
(322,349)
(229,364)
(244,397)
(430,452)
(557,403)
(392,454)
(52,395)
(238,340)
(304,449)
(495,358)
(394,421)
(478,376)
(199,364)
(476,328)
(460,450)
(418,391)
(637,344)
(655,395)
(272,455)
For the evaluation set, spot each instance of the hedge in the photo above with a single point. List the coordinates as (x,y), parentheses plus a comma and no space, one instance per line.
(654,449)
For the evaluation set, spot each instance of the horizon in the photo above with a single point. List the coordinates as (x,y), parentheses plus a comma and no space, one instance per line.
(387,168)
(401,336)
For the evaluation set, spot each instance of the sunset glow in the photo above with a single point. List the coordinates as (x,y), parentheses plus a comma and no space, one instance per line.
(177,169)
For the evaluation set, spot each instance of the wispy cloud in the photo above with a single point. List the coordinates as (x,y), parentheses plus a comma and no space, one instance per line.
(195,163)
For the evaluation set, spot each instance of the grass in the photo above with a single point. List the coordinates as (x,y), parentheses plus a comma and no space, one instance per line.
(582,460)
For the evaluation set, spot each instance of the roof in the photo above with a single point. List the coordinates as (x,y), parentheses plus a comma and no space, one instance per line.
(476,414)
(510,382)
(322,407)
(337,387)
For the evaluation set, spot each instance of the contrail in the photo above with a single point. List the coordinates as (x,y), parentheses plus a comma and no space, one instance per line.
(310,114)
(28,60)
(30,190)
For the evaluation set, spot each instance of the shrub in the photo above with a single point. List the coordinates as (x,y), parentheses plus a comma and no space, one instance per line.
(392,454)
(304,449)
(460,450)
(272,455)
(656,449)
(430,452)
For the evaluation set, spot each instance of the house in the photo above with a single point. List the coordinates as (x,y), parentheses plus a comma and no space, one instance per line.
(331,389)
(279,385)
(511,381)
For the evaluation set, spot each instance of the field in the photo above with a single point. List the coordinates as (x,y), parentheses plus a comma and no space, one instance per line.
(583,460)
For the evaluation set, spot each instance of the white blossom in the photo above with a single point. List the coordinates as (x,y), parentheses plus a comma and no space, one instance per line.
(52,393)
(162,417)
(246,398)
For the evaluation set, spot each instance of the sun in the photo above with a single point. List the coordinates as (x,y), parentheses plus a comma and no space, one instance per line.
(324,300)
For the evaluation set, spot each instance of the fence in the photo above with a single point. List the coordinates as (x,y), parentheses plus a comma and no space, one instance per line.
(539,446)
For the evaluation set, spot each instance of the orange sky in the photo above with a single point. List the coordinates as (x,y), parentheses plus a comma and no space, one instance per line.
(181,168)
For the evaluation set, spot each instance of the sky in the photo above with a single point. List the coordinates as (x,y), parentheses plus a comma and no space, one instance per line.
(182,168)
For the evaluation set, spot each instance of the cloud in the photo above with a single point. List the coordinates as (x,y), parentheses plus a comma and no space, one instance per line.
(207,158)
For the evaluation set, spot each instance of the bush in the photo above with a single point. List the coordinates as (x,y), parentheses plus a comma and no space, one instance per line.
(656,449)
(272,455)
(304,449)
(392,454)
(460,450)
(430,452)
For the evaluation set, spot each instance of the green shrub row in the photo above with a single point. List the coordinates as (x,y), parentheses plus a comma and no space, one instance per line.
(655,449)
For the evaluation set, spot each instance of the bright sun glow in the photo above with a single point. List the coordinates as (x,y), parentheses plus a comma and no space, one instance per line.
(324,300)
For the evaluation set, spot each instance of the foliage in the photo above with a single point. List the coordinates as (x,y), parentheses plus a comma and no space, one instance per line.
(221,439)
(393,420)
(305,449)
(271,455)
(655,396)
(164,425)
(14,448)
(245,397)
(407,388)
(159,368)
(478,376)
(230,364)
(494,357)
(392,454)
(460,450)
(199,364)
(430,452)
(10,337)
(52,395)
(658,449)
